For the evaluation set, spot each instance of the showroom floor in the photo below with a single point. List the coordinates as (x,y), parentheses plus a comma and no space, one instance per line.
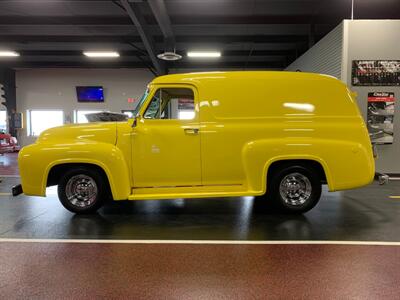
(202,248)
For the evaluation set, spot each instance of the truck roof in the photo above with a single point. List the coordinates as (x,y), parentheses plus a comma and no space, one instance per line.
(268,93)
(249,75)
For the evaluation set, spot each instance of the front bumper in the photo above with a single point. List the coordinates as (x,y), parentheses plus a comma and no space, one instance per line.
(16,190)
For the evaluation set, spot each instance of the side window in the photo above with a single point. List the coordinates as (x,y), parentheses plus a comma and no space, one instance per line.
(152,111)
(172,104)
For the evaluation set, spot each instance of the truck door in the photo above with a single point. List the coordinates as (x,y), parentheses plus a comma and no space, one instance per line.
(166,139)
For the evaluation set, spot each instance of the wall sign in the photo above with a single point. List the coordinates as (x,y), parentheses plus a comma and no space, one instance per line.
(376,73)
(380,117)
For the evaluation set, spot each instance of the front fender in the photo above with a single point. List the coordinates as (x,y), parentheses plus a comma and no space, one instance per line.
(36,160)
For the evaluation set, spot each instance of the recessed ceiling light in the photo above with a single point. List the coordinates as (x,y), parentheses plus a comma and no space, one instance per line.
(9,53)
(101,54)
(204,54)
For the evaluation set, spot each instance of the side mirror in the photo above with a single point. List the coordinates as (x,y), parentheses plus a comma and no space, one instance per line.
(135,120)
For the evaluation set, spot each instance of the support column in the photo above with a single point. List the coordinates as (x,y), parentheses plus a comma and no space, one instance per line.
(311,35)
(7,78)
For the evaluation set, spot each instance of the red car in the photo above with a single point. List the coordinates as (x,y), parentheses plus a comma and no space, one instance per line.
(8,143)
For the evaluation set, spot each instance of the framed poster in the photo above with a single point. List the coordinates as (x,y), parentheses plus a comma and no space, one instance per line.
(380,117)
(375,73)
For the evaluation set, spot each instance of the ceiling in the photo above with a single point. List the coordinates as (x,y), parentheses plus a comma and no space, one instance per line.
(251,34)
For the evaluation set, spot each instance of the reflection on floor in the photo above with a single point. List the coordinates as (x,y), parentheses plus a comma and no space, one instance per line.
(8,164)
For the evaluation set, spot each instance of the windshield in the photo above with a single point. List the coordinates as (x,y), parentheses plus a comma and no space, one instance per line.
(140,103)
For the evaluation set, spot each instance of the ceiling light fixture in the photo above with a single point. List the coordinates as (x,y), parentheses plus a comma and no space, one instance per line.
(9,53)
(170,56)
(101,54)
(204,54)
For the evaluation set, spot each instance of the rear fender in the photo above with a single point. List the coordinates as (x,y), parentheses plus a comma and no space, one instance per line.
(333,155)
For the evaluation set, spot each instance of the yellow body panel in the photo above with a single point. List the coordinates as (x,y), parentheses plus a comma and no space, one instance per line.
(164,154)
(246,122)
(90,143)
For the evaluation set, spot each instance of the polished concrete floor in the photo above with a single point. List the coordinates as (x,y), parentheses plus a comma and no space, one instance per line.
(35,265)
(366,214)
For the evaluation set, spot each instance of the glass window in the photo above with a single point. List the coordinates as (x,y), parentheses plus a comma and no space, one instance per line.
(3,120)
(141,101)
(171,103)
(152,111)
(80,115)
(40,120)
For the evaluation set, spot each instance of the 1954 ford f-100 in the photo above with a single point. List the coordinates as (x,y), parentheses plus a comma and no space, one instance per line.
(218,134)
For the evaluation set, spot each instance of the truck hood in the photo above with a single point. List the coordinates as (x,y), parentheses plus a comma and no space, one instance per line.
(105,132)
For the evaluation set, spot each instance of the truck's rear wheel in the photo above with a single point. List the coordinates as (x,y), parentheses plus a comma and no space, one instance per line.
(295,189)
(82,190)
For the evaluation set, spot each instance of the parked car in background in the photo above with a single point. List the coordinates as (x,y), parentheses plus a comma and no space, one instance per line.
(276,135)
(8,143)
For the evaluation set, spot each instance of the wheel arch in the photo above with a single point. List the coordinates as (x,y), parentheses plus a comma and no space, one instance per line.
(58,170)
(307,163)
(55,170)
(318,164)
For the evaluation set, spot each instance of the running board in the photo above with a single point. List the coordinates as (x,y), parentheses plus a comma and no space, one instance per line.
(191,192)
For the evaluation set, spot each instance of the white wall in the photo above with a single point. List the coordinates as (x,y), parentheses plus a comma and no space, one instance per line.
(55,89)
(324,57)
(360,40)
(377,40)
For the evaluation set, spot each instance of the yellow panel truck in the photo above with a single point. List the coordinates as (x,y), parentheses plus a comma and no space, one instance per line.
(277,135)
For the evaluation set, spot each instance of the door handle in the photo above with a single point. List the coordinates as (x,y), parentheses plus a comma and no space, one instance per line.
(191,130)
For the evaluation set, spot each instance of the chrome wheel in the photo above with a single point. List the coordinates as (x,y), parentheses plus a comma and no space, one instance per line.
(295,189)
(81,190)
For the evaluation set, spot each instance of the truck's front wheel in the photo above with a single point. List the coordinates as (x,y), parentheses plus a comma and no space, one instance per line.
(82,190)
(295,189)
